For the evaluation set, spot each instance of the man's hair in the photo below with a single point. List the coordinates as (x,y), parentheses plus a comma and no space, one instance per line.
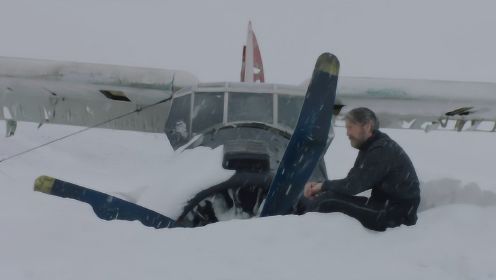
(362,116)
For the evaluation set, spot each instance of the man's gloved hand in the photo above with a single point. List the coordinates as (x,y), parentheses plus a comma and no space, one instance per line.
(311,189)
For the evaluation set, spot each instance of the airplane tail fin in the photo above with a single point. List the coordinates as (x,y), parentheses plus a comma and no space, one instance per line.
(252,66)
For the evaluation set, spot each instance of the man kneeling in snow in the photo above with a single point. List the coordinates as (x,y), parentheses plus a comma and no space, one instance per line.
(381,165)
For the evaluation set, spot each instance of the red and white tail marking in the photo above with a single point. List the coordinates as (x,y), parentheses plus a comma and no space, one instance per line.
(252,66)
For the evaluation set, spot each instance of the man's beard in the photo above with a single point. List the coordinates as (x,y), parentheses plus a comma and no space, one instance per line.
(356,142)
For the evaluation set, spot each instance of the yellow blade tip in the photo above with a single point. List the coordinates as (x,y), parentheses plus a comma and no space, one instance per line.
(329,63)
(44,184)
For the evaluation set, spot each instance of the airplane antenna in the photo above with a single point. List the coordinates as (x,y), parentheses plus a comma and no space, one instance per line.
(139,109)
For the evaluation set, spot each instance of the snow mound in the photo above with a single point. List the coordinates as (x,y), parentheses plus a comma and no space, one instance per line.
(447,191)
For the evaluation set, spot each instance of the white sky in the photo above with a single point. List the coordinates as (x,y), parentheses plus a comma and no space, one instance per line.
(445,39)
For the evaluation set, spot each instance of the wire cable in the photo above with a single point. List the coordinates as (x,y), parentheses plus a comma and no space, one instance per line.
(84,129)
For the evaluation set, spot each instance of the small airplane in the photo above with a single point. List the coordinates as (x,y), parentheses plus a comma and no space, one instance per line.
(253,120)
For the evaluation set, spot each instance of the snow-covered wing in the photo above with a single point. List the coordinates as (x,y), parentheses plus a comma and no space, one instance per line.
(86,94)
(422,104)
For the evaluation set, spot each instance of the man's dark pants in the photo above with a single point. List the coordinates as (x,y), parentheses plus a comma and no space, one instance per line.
(375,213)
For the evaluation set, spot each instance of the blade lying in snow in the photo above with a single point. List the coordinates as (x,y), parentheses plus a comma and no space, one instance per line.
(106,207)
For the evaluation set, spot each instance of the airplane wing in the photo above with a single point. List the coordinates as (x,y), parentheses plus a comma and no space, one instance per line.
(88,94)
(85,94)
(422,104)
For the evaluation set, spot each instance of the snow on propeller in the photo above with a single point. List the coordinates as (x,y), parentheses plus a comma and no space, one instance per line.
(253,121)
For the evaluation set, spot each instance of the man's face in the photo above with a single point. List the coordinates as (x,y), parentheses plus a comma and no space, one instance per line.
(358,133)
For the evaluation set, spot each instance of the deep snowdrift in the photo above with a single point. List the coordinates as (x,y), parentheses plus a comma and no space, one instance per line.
(45,237)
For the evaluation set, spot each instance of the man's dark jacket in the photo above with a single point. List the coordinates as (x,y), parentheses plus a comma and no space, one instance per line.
(383,166)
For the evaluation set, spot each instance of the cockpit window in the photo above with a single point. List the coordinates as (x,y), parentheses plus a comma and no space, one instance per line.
(256,107)
(177,126)
(208,110)
(289,109)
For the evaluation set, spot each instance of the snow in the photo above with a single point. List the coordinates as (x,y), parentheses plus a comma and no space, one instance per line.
(45,237)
